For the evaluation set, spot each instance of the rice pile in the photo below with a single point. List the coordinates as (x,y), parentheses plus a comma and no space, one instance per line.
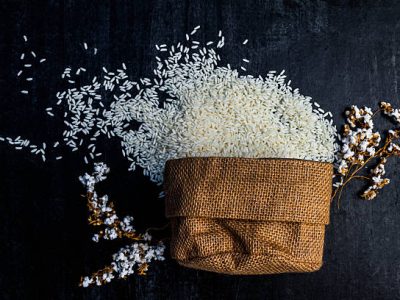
(193,107)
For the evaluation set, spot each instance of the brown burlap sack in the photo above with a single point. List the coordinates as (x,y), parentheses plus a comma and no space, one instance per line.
(248,216)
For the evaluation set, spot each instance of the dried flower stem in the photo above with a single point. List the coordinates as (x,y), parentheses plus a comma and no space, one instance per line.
(360,145)
(354,176)
(102,214)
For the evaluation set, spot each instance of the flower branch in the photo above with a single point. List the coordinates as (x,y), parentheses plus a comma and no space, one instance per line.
(137,255)
(361,146)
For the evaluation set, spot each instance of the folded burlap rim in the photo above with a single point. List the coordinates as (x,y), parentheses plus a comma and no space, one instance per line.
(290,190)
(216,204)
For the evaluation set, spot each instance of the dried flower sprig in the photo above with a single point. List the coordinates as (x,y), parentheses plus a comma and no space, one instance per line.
(137,255)
(361,145)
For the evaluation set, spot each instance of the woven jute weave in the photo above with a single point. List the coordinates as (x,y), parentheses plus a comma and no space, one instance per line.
(248,216)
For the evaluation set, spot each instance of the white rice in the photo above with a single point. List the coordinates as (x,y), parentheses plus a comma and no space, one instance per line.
(209,110)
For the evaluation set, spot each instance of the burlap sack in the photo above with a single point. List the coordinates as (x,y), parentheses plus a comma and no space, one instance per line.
(248,216)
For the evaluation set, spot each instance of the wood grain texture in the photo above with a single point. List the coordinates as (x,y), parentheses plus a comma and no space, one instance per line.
(340,52)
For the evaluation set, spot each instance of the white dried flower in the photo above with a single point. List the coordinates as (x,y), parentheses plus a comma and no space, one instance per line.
(95,238)
(360,144)
(133,257)
(87,281)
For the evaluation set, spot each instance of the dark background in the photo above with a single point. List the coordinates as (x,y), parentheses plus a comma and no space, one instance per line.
(339,52)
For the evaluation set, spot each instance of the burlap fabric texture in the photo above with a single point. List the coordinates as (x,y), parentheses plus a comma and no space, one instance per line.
(248,216)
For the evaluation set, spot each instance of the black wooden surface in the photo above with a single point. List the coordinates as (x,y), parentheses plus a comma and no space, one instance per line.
(339,52)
